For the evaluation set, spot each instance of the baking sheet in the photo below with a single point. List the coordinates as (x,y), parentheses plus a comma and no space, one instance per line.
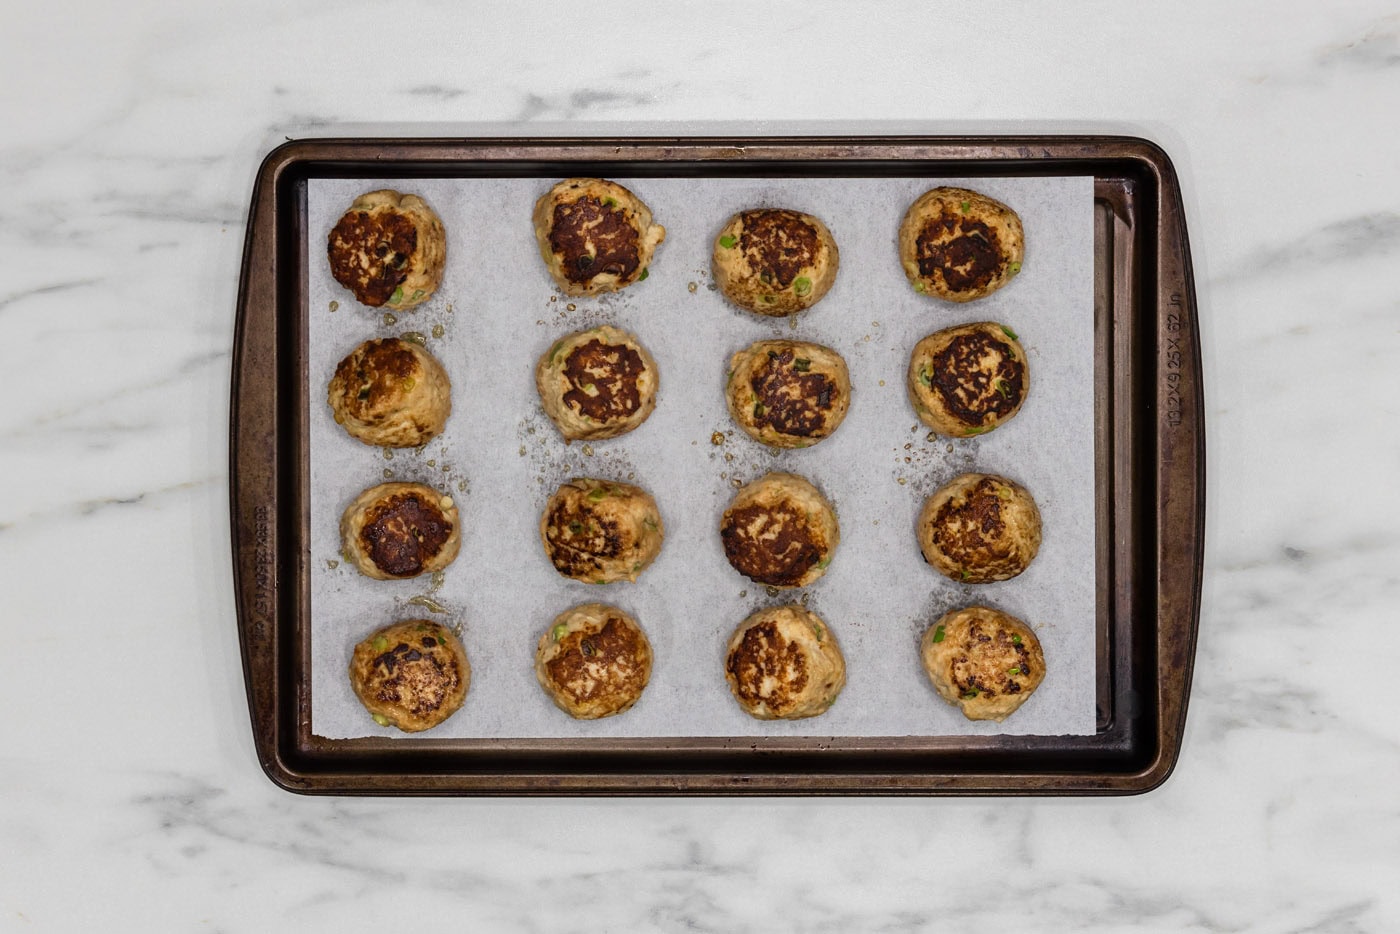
(500,458)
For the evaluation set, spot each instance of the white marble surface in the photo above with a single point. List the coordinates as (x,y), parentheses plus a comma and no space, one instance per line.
(129,792)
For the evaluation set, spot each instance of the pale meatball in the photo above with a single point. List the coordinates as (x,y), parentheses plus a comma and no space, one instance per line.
(788,394)
(412,674)
(983,660)
(599,383)
(400,530)
(773,261)
(593,661)
(967,380)
(595,235)
(601,531)
(960,245)
(783,663)
(979,528)
(389,249)
(780,530)
(391,393)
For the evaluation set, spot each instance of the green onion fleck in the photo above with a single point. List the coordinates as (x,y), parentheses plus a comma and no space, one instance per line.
(824,563)
(1009,333)
(417,294)
(969,694)
(397,296)
(1003,389)
(650,524)
(801,285)
(609,202)
(926,377)
(964,574)
(965,207)
(728,242)
(939,635)
(576,527)
(1015,640)
(757,409)
(919,287)
(380,719)
(558,631)
(643,276)
(596,494)
(1014,671)
(600,581)
(380,643)
(981,430)
(554,351)
(817,631)
(1014,268)
(802,364)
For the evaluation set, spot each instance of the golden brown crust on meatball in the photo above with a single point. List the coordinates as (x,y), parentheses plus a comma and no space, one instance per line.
(594,235)
(601,531)
(780,530)
(983,660)
(960,245)
(389,249)
(788,394)
(593,661)
(391,393)
(969,379)
(400,530)
(979,528)
(783,663)
(773,261)
(598,383)
(412,674)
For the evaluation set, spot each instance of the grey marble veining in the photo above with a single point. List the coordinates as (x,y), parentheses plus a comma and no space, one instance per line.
(129,794)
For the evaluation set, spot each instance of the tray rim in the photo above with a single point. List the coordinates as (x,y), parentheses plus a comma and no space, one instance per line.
(1177,435)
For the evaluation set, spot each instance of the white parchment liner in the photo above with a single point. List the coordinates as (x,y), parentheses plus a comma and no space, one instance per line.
(500,458)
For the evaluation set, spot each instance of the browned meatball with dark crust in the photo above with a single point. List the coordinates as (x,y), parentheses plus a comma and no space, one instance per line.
(986,662)
(774,261)
(412,674)
(594,235)
(780,531)
(594,661)
(979,528)
(788,394)
(960,245)
(389,249)
(783,663)
(601,531)
(391,393)
(969,379)
(400,530)
(598,383)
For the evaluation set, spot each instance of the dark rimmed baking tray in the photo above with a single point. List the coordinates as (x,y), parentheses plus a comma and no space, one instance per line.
(1149,454)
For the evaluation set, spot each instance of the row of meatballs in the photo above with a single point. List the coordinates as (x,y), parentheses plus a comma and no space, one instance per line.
(782,662)
(779,530)
(602,383)
(390,249)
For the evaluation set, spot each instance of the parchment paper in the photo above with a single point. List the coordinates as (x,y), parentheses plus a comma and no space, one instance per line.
(500,458)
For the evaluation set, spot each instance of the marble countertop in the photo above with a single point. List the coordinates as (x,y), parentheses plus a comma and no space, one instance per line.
(129,791)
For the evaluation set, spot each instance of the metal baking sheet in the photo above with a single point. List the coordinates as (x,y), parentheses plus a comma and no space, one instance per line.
(1148,471)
